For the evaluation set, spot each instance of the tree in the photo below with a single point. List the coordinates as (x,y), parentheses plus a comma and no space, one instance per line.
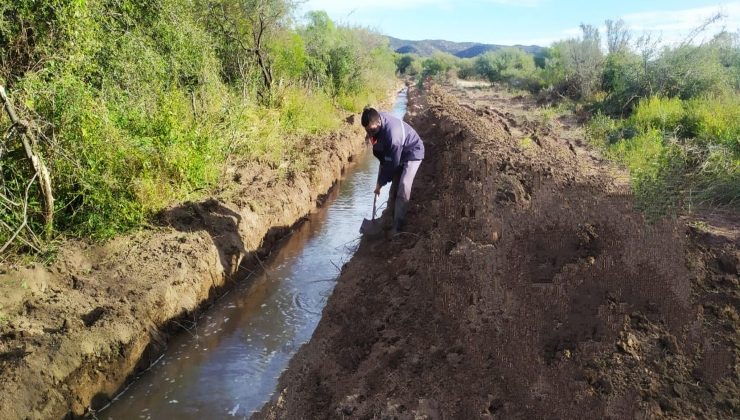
(404,63)
(625,80)
(582,62)
(246,28)
(617,36)
(437,65)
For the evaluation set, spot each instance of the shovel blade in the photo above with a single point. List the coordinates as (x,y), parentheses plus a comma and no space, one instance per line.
(371,227)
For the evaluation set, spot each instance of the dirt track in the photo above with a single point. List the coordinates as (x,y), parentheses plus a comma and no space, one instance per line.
(527,287)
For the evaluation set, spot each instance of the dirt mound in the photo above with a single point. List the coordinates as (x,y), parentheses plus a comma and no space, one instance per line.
(527,287)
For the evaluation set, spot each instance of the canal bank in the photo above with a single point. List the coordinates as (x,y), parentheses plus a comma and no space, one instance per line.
(74,333)
(228,362)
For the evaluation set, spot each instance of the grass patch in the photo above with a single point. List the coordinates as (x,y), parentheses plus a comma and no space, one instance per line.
(526,143)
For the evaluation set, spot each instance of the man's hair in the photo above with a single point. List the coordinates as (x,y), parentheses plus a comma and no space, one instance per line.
(369,115)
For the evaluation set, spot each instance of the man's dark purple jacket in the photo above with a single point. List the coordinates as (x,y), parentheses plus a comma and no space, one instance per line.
(397,143)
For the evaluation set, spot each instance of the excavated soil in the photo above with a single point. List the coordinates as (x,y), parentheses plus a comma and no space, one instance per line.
(527,286)
(72,334)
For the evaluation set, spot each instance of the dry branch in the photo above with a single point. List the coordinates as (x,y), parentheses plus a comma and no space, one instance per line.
(25,216)
(39,167)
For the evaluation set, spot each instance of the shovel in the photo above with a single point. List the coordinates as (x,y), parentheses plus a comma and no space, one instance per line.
(372,227)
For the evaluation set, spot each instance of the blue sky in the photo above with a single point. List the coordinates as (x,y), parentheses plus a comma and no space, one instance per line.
(525,22)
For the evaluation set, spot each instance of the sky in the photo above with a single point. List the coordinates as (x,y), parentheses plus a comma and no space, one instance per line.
(525,22)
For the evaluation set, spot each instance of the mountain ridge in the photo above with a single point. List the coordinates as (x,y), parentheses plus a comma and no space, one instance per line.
(427,47)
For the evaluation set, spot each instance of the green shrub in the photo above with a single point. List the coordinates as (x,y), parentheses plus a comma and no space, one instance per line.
(665,114)
(601,130)
(717,180)
(639,153)
(715,120)
(689,71)
(702,166)
(437,65)
(307,112)
(408,64)
(625,82)
(140,104)
(661,180)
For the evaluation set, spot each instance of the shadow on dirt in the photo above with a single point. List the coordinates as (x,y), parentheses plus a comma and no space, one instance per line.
(221,223)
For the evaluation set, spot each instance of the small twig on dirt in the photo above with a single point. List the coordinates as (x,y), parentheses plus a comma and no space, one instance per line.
(188,330)
(92,413)
(351,241)
(409,233)
(251,272)
(264,269)
(335,266)
(24,240)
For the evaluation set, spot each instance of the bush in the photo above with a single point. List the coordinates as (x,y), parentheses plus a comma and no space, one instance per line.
(466,68)
(602,130)
(625,81)
(664,114)
(715,120)
(408,64)
(689,71)
(576,65)
(139,104)
(437,65)
(681,153)
(717,180)
(307,113)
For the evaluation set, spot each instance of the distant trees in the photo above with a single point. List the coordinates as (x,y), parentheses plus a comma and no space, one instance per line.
(407,64)
(438,64)
(339,58)
(508,65)
(669,113)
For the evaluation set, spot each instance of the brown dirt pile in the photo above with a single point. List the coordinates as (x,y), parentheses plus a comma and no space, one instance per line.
(71,334)
(527,287)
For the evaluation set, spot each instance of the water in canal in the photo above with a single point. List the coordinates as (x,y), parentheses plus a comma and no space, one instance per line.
(228,364)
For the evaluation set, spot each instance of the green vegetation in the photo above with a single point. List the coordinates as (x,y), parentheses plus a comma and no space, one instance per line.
(670,114)
(139,104)
(679,152)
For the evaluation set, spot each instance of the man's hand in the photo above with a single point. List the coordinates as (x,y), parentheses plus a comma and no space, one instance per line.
(377,189)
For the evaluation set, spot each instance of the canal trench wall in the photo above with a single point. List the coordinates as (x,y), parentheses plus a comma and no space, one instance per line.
(80,329)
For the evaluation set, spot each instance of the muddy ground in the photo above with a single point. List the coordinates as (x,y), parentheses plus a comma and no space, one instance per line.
(527,286)
(73,333)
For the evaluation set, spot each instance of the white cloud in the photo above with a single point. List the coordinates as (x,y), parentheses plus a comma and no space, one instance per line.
(345,7)
(675,25)
(671,26)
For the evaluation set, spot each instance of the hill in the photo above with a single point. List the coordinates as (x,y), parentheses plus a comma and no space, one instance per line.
(428,47)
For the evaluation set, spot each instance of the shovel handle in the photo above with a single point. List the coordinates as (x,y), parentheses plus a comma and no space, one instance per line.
(375,199)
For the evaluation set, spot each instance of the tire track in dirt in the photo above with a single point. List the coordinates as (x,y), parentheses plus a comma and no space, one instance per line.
(527,287)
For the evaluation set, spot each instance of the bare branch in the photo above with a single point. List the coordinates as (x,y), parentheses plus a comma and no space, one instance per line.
(25,216)
(617,36)
(38,164)
(702,28)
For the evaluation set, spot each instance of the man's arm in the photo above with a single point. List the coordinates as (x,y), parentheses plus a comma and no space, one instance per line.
(391,161)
